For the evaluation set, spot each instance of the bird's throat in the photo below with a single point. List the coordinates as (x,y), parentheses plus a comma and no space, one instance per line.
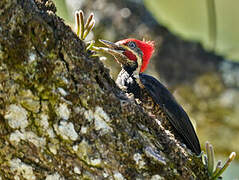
(129,82)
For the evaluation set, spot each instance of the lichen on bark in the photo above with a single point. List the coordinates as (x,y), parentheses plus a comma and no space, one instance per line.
(61,114)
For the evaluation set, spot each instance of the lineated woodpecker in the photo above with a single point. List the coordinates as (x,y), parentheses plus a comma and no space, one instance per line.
(134,56)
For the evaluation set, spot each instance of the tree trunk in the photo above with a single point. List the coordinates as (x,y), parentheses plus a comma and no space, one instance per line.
(62,116)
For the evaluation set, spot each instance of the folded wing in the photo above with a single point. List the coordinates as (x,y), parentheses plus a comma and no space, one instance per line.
(176,114)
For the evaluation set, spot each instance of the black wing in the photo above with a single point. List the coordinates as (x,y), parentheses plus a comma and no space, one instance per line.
(177,116)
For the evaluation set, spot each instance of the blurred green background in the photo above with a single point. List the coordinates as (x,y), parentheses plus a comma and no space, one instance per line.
(196,57)
(191,19)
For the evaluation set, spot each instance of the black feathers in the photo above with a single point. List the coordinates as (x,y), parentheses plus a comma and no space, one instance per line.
(177,116)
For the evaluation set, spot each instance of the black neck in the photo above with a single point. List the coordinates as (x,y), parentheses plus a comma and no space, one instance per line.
(130,69)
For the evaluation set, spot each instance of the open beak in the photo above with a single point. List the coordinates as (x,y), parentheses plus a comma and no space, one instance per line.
(114,49)
(111,45)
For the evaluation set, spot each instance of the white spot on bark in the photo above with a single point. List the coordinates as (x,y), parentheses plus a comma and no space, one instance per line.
(21,169)
(100,112)
(32,57)
(28,136)
(137,157)
(95,162)
(156,177)
(65,80)
(105,174)
(52,148)
(101,125)
(62,91)
(29,101)
(139,160)
(33,138)
(100,120)
(155,155)
(55,176)
(75,147)
(63,111)
(51,133)
(118,176)
(44,121)
(83,151)
(77,170)
(83,130)
(45,125)
(89,115)
(16,136)
(16,116)
(66,130)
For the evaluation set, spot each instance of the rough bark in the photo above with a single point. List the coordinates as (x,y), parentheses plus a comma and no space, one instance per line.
(63,117)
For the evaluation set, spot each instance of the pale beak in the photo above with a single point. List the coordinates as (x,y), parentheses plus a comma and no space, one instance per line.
(111,45)
(116,50)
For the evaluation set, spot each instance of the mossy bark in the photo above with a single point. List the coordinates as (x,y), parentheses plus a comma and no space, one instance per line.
(61,114)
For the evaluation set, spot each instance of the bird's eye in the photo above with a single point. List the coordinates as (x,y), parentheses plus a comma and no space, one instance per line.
(131,44)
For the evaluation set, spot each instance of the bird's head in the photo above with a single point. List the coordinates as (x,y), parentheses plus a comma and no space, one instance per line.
(132,54)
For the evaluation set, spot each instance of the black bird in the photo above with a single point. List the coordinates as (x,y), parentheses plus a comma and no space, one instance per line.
(134,56)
